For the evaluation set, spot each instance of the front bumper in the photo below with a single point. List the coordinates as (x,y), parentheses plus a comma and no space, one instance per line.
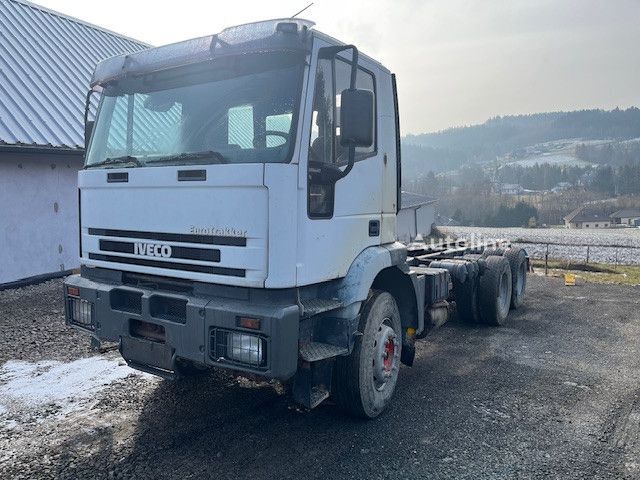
(183,326)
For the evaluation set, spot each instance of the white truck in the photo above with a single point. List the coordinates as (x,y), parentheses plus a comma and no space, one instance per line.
(238,210)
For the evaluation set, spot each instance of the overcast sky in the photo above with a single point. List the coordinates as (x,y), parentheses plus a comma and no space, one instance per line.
(458,62)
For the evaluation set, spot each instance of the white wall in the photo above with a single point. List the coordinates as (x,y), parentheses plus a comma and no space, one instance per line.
(406,225)
(426,218)
(594,225)
(38,214)
(408,218)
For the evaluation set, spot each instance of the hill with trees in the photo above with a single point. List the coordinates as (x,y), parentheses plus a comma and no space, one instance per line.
(455,147)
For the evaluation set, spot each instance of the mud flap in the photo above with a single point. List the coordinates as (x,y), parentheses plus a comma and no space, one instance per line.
(312,383)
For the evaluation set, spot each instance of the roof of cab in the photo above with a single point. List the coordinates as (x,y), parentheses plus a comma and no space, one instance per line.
(257,36)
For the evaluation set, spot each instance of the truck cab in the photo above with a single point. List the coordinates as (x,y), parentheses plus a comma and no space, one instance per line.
(238,208)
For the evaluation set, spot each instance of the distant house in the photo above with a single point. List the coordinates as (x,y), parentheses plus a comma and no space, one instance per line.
(509,189)
(626,216)
(582,218)
(562,186)
(416,216)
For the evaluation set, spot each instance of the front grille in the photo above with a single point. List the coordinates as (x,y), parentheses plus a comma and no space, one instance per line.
(233,272)
(126,301)
(184,253)
(155,282)
(172,237)
(168,308)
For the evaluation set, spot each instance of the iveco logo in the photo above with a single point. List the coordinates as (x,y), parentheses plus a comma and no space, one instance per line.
(152,249)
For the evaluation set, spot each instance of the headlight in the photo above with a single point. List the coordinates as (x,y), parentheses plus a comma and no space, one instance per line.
(80,312)
(239,347)
(245,348)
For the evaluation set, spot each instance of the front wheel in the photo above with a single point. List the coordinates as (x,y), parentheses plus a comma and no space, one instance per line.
(366,379)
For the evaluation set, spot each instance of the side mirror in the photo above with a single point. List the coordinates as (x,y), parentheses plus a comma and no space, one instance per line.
(356,118)
(88,129)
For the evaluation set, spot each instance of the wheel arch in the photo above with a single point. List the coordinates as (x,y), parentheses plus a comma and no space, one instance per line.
(400,286)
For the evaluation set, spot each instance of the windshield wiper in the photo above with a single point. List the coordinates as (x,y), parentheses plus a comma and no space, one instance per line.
(190,156)
(117,160)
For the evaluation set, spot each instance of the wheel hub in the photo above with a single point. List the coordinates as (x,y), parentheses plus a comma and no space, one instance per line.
(385,356)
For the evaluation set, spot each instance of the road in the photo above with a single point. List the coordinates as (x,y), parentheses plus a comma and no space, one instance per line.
(553,394)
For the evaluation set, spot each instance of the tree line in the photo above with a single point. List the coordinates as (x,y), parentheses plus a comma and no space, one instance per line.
(453,147)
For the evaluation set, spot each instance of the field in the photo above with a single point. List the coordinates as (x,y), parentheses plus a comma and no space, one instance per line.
(608,246)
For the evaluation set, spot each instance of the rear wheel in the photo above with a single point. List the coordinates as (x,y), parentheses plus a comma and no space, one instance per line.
(366,379)
(517,258)
(494,291)
(491,252)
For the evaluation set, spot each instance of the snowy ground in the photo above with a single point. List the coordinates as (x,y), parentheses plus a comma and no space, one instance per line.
(623,243)
(64,387)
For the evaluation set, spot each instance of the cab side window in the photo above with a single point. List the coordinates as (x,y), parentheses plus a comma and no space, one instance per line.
(322,143)
(332,77)
(364,81)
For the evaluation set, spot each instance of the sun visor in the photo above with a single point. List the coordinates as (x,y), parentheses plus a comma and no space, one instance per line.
(270,35)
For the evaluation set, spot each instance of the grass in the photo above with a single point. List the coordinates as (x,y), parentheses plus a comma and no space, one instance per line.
(593,272)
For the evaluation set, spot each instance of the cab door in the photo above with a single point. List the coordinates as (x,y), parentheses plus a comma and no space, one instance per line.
(337,220)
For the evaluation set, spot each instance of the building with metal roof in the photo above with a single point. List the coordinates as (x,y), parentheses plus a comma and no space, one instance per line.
(416,216)
(626,216)
(46,62)
(585,217)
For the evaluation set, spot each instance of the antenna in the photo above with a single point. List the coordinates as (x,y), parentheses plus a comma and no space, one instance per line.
(295,15)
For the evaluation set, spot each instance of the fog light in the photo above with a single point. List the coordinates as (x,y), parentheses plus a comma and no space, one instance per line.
(246,349)
(80,312)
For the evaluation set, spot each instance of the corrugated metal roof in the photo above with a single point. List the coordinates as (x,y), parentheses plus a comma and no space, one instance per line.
(626,213)
(414,200)
(46,62)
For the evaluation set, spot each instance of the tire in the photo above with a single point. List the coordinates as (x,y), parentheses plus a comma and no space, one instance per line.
(494,291)
(517,258)
(466,296)
(366,379)
(491,252)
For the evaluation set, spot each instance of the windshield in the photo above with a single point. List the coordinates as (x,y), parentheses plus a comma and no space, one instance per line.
(239,110)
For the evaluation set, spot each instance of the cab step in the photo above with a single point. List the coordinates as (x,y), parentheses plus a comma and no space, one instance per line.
(316,306)
(316,351)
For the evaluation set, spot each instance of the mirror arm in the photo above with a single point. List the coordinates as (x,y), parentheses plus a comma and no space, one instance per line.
(87,105)
(352,158)
(331,52)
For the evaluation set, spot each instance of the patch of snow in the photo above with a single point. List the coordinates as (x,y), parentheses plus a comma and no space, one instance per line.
(9,424)
(26,385)
(3,409)
(552,159)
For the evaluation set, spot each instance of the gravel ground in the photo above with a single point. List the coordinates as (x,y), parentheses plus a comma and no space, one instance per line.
(625,242)
(553,394)
(32,325)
